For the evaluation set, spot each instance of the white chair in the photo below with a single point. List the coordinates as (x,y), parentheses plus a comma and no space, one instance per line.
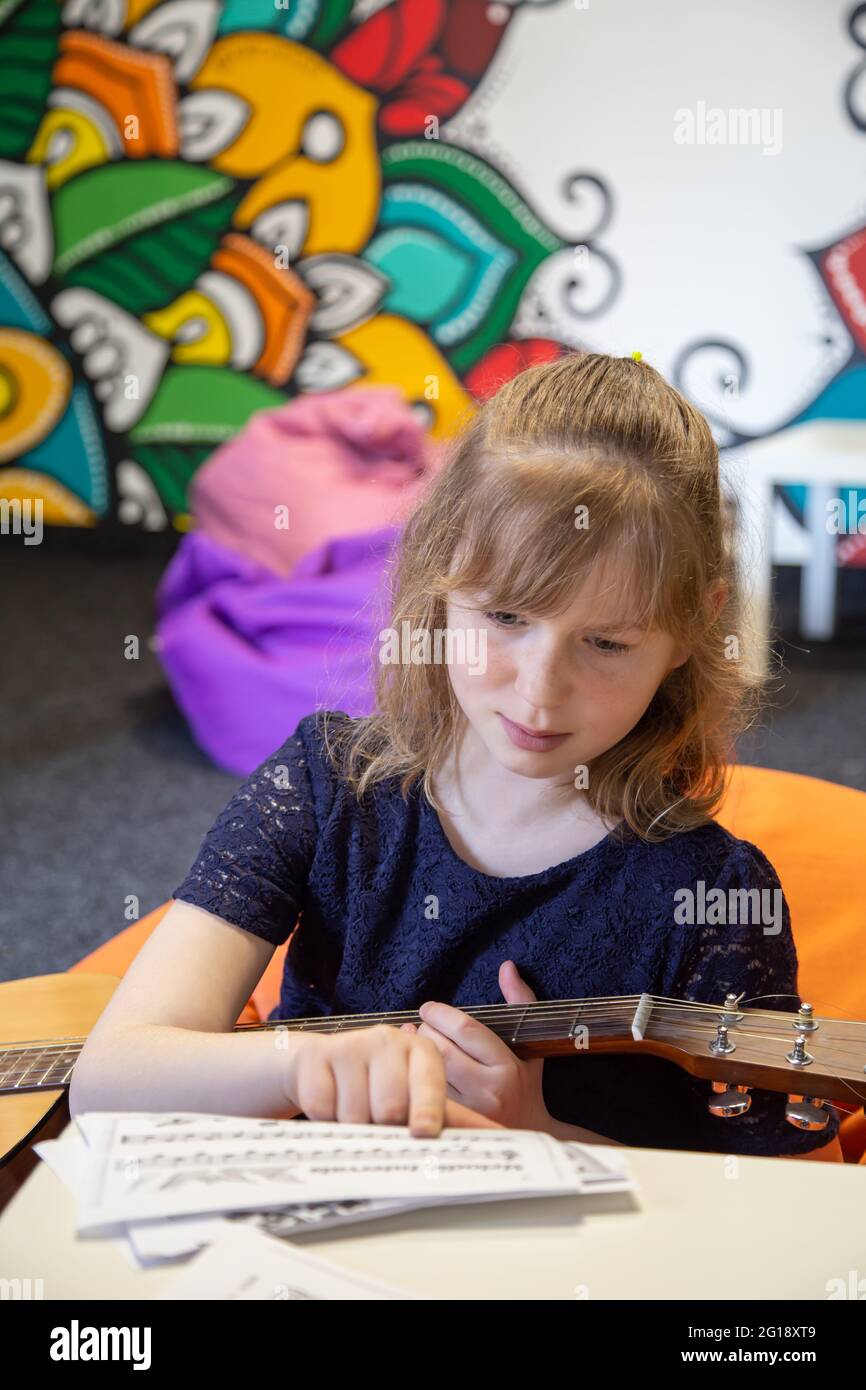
(829,456)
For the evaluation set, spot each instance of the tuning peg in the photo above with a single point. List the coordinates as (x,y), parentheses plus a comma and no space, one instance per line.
(728,1100)
(806,1019)
(807,1112)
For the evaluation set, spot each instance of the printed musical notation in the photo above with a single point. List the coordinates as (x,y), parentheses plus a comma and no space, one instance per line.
(170,1183)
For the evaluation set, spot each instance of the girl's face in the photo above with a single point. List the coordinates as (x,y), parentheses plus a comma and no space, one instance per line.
(580,674)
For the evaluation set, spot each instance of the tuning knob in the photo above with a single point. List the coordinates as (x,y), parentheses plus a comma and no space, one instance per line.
(807,1112)
(728,1100)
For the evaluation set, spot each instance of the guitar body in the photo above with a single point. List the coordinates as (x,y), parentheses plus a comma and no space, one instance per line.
(52,1007)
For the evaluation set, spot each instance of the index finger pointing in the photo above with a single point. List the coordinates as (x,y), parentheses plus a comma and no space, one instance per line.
(427,1088)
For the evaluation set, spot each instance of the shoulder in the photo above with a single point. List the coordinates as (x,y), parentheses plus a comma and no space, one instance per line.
(304,758)
(734,921)
(712,853)
(316,730)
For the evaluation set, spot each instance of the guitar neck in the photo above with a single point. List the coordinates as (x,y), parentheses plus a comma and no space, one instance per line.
(47,1064)
(771,1048)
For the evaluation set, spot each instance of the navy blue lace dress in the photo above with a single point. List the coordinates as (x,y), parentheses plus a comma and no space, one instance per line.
(391,916)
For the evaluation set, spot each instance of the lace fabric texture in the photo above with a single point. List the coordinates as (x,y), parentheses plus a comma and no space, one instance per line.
(386,915)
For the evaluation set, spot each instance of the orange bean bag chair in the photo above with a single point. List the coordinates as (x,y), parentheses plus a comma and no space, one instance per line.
(813,832)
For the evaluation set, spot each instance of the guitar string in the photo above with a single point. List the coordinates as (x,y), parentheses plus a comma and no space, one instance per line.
(533,1012)
(9,1083)
(38,1057)
(540,1008)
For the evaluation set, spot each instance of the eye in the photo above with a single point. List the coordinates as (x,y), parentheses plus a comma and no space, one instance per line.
(607,647)
(496,614)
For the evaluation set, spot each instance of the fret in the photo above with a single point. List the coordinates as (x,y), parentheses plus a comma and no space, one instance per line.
(17,1071)
(47,1072)
(30,1068)
(519,1026)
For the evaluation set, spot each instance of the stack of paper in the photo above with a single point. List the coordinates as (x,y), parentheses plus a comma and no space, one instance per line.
(168,1185)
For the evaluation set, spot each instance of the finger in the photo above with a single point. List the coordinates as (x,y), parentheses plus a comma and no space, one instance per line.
(389,1081)
(462,1071)
(460,1116)
(317,1086)
(353,1088)
(514,989)
(426,1089)
(471,1036)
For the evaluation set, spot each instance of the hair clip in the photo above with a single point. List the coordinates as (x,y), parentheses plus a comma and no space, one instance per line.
(638,356)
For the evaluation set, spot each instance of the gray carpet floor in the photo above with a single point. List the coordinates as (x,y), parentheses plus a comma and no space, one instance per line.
(104,796)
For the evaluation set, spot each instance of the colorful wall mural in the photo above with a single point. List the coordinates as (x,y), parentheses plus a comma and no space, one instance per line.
(209,206)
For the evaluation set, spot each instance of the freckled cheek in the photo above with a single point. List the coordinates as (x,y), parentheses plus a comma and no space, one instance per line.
(622,702)
(499,669)
(609,699)
(482,673)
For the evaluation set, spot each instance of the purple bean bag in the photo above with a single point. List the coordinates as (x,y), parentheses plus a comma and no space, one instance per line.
(248,652)
(270,608)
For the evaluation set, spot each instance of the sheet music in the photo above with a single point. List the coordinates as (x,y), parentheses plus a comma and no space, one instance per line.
(153,1241)
(163,1165)
(173,1207)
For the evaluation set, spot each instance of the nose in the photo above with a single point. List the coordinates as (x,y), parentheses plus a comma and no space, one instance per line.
(542,679)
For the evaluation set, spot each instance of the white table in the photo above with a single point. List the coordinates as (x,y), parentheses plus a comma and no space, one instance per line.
(777,1228)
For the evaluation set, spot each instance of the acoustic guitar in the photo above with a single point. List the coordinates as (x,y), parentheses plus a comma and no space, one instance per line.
(44,1023)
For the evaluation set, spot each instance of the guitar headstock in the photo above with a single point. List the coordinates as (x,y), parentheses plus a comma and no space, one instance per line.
(772,1049)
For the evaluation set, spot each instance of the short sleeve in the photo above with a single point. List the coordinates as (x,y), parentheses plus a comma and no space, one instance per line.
(254,862)
(754,956)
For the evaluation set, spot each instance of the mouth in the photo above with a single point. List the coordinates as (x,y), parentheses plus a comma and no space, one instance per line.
(530,738)
(538,733)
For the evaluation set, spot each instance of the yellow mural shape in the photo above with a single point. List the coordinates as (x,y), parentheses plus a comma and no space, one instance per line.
(309,137)
(195,327)
(397,353)
(35,382)
(59,506)
(67,142)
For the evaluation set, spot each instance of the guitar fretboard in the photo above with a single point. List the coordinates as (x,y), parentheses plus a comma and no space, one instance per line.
(35,1068)
(765,1038)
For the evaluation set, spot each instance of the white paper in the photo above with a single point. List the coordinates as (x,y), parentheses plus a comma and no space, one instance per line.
(243,1265)
(67,1159)
(156,1165)
(176,1236)
(152,1231)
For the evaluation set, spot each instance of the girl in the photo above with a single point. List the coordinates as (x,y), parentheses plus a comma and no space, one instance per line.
(520,820)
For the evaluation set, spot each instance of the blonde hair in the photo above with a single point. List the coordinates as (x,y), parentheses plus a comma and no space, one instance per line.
(608,433)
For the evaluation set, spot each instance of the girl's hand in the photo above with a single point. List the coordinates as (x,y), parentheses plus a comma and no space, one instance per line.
(481,1070)
(379,1075)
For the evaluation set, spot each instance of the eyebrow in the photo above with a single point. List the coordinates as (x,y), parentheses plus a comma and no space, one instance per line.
(624,626)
